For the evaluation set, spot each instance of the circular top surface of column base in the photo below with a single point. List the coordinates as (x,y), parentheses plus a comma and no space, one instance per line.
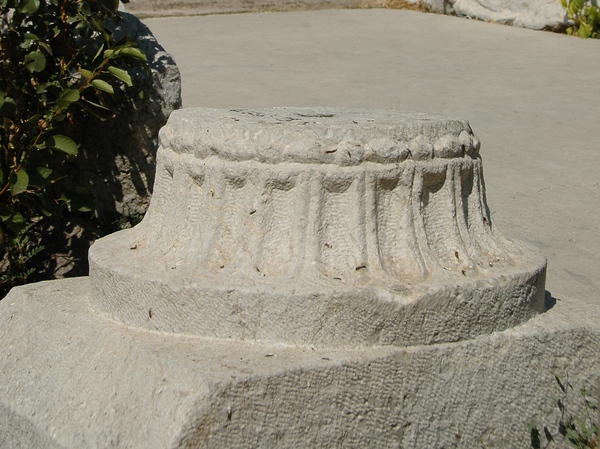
(328,227)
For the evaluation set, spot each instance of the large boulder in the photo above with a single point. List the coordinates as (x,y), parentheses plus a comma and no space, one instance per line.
(117,158)
(535,14)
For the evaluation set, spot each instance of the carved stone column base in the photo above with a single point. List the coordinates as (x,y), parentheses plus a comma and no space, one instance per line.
(327,227)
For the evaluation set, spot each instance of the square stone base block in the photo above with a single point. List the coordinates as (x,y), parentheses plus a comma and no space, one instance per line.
(71,378)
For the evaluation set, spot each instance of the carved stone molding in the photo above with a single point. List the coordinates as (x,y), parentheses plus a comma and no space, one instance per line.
(328,227)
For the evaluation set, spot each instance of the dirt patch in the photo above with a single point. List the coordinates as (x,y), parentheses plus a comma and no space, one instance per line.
(166,8)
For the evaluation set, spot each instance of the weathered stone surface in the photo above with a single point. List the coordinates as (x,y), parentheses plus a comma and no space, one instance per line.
(535,14)
(328,227)
(71,376)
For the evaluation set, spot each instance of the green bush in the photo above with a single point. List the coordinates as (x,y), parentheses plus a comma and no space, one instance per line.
(60,63)
(585,16)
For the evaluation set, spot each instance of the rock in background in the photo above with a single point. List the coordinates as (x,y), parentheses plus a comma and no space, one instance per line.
(116,160)
(534,14)
(117,157)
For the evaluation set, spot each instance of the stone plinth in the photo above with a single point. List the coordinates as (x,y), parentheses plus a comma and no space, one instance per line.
(303,278)
(328,227)
(69,378)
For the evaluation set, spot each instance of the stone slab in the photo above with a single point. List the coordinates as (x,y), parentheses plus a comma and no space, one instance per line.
(71,378)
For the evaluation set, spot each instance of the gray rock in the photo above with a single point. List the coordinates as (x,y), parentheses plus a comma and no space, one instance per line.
(535,14)
(118,157)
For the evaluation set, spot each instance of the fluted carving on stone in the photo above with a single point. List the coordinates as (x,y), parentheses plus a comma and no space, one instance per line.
(253,217)
(400,223)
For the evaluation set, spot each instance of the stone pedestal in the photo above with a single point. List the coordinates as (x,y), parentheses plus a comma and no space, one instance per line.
(303,278)
(326,227)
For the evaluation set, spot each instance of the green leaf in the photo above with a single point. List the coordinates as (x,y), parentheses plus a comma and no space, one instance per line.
(29,6)
(87,73)
(121,74)
(81,199)
(585,30)
(37,179)
(66,97)
(19,182)
(59,117)
(51,87)
(62,143)
(84,8)
(98,110)
(46,47)
(16,219)
(133,52)
(103,86)
(575,7)
(5,212)
(8,106)
(100,50)
(34,119)
(28,40)
(99,26)
(35,61)
(44,172)
(108,53)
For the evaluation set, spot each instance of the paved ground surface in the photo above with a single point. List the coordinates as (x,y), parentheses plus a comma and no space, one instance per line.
(531,97)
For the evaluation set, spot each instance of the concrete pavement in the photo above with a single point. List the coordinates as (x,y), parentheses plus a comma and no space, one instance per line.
(531,97)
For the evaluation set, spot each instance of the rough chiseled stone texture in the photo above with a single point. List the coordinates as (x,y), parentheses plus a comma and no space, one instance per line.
(69,378)
(298,246)
(324,226)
